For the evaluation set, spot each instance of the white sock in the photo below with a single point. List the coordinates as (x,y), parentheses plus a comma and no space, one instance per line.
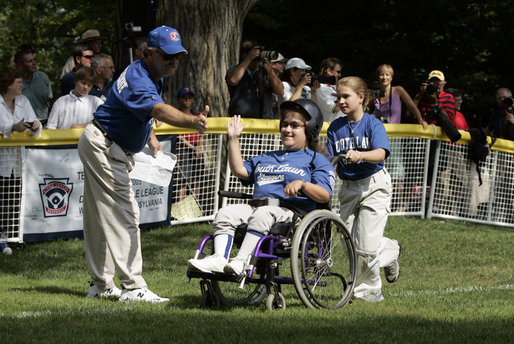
(249,242)
(223,245)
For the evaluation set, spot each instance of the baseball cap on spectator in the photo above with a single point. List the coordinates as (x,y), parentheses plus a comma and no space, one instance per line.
(436,74)
(297,62)
(280,58)
(90,35)
(184,91)
(167,39)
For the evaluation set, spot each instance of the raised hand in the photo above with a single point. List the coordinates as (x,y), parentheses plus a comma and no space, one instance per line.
(235,127)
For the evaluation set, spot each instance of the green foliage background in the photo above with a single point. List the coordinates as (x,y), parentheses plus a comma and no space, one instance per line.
(470,41)
(52,27)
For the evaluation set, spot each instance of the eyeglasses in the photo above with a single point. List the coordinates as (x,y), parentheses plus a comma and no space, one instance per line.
(110,67)
(88,56)
(293,125)
(167,57)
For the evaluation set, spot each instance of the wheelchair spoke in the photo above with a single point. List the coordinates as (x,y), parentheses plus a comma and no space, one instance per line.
(326,267)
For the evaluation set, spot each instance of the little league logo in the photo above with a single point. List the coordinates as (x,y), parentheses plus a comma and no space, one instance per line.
(55,194)
(174,36)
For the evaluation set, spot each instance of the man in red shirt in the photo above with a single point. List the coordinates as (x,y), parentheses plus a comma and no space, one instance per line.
(459,121)
(432,95)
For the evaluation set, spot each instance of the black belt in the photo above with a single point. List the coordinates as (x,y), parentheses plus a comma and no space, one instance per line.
(264,201)
(99,126)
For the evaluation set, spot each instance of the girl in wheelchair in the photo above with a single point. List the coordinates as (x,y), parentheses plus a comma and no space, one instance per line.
(298,174)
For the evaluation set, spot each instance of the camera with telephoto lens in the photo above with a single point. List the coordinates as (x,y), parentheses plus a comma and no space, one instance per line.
(323,79)
(508,104)
(436,114)
(432,88)
(376,93)
(267,54)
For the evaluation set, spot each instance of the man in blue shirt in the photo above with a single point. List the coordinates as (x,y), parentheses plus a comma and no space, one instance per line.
(121,127)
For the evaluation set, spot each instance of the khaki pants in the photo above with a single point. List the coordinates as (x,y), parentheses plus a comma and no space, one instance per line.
(111,213)
(365,206)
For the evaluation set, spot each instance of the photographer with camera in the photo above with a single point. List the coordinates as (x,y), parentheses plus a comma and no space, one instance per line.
(502,120)
(298,81)
(252,82)
(436,107)
(330,73)
(500,126)
(432,101)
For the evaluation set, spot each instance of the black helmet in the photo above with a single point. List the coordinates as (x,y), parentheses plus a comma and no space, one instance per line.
(310,110)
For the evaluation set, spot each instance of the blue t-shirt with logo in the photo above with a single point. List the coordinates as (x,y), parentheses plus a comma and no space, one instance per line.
(364,135)
(125,112)
(272,171)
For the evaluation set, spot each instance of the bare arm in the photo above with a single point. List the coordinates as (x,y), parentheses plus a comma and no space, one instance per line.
(276,84)
(235,158)
(79,125)
(373,156)
(299,88)
(237,73)
(154,144)
(411,107)
(168,114)
(315,192)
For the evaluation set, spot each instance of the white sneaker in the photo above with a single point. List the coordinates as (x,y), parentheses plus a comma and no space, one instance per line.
(94,291)
(392,271)
(236,266)
(371,298)
(212,263)
(141,294)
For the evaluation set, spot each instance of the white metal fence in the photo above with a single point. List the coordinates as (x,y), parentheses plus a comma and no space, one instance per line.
(454,191)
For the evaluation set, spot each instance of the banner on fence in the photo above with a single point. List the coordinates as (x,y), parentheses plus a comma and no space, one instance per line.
(52,201)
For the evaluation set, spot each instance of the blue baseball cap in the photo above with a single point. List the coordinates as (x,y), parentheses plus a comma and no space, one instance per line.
(166,38)
(184,91)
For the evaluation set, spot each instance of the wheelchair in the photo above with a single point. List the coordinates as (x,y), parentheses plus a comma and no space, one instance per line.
(321,259)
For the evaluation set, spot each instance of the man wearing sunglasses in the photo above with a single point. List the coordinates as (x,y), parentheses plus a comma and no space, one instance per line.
(83,55)
(121,127)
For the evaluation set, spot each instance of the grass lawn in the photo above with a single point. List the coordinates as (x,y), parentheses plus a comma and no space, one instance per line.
(456,287)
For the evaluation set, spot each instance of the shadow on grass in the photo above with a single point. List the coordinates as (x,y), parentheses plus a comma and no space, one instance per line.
(50,290)
(255,327)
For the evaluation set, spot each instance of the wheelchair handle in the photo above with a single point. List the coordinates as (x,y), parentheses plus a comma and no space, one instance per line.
(335,159)
(233,194)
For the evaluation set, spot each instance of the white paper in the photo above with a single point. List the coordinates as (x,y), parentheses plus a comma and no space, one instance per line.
(157,171)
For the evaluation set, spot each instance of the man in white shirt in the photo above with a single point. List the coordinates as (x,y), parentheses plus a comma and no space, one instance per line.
(326,99)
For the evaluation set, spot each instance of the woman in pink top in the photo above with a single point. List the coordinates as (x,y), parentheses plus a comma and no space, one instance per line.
(388,108)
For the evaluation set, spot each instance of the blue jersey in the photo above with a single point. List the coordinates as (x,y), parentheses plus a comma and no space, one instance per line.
(364,135)
(125,113)
(272,171)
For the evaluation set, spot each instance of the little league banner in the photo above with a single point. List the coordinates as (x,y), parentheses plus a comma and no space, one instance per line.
(52,195)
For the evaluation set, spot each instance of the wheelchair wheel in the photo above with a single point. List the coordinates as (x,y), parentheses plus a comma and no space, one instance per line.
(277,301)
(323,261)
(231,295)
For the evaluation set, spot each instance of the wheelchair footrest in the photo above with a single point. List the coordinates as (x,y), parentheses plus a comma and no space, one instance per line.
(219,276)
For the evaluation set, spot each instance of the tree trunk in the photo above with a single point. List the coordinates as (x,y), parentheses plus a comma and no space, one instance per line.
(211,32)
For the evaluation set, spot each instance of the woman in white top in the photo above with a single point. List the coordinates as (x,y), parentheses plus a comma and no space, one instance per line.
(16,114)
(296,80)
